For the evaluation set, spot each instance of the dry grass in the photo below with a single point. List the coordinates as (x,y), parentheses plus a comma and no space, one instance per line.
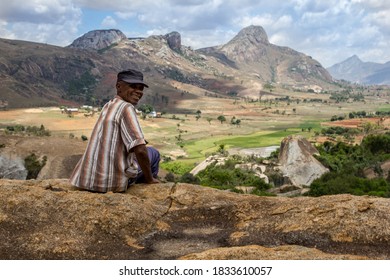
(263,123)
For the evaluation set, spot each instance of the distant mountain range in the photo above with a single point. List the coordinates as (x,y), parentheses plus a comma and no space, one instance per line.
(357,71)
(33,74)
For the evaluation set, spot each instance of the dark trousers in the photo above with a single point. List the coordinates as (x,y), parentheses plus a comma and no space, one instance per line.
(154,158)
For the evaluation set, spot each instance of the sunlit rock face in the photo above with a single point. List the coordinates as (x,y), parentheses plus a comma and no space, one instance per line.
(98,39)
(12,168)
(50,219)
(174,41)
(297,161)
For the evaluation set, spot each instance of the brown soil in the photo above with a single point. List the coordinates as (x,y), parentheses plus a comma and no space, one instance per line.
(357,123)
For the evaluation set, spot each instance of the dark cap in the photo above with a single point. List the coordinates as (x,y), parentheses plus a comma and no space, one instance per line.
(131,76)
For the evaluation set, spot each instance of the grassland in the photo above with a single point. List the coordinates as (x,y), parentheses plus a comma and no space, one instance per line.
(188,140)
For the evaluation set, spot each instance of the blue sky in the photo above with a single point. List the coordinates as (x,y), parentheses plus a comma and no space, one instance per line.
(329,31)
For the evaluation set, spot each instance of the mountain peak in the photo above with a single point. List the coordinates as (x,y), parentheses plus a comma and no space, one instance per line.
(98,39)
(355,70)
(354,59)
(247,45)
(253,33)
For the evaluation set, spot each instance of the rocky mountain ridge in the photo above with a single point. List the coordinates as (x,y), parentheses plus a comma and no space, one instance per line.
(85,71)
(98,39)
(251,50)
(355,70)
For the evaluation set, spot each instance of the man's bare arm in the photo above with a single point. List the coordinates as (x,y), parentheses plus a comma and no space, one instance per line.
(141,153)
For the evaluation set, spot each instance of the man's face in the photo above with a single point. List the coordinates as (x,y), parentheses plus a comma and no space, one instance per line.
(131,93)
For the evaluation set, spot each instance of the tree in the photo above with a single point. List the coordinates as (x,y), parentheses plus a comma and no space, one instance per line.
(146,108)
(221,118)
(209,119)
(198,114)
(34,165)
(235,121)
(268,86)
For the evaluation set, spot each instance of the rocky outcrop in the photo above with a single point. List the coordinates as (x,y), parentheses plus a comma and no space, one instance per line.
(247,44)
(215,159)
(12,168)
(296,166)
(98,39)
(50,219)
(384,172)
(174,41)
(256,252)
(297,161)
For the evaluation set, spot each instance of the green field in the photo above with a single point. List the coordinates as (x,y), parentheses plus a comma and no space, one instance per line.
(188,141)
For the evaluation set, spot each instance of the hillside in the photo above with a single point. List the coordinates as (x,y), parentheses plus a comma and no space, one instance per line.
(251,52)
(51,220)
(35,74)
(356,71)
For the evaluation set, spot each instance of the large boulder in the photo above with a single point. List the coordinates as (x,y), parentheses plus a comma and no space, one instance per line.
(174,41)
(12,168)
(98,39)
(297,161)
(50,219)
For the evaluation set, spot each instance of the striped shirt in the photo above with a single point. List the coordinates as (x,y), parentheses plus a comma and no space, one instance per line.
(107,163)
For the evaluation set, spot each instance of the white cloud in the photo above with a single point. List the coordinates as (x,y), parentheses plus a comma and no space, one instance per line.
(39,11)
(46,21)
(280,39)
(125,15)
(207,38)
(157,31)
(373,4)
(269,22)
(380,18)
(109,22)
(262,20)
(5,32)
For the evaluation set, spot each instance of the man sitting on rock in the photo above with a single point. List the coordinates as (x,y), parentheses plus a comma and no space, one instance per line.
(116,155)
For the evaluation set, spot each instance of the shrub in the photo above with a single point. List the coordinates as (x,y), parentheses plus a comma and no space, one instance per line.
(38,131)
(346,164)
(225,177)
(30,130)
(170,177)
(34,165)
(377,144)
(332,183)
(176,167)
(189,178)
